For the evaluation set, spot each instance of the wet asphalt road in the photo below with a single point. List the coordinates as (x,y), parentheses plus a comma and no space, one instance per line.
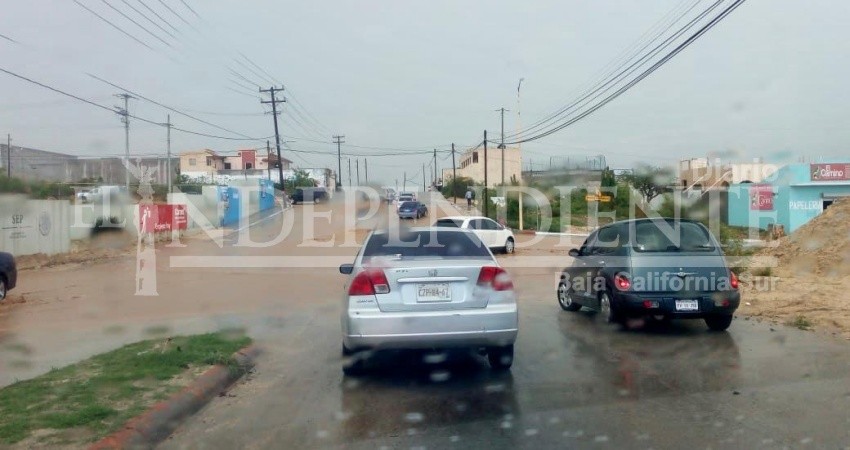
(575,383)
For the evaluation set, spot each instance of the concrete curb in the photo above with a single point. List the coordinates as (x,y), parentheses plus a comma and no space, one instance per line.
(155,425)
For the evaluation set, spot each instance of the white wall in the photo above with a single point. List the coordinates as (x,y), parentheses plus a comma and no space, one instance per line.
(29,227)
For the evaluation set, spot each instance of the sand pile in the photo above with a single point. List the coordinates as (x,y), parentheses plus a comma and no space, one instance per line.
(821,247)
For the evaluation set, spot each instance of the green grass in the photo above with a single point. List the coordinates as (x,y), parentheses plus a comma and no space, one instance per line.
(800,322)
(90,399)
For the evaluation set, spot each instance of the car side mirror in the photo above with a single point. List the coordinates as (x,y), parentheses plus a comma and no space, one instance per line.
(346,269)
(574,253)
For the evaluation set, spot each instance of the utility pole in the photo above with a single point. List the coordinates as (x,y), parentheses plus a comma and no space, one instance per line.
(349,172)
(338,139)
(435,167)
(404,186)
(423,177)
(454,175)
(502,145)
(357,167)
(269,158)
(274,102)
(125,118)
(9,155)
(168,153)
(484,197)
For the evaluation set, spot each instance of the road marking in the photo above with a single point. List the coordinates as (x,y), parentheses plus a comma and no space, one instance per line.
(257,221)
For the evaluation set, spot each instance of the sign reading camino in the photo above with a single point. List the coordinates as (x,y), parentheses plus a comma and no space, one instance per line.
(830,172)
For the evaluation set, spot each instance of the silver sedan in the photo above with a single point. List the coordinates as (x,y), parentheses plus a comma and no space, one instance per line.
(427,288)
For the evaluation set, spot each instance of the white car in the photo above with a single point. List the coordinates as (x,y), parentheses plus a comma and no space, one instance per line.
(402,198)
(434,289)
(491,233)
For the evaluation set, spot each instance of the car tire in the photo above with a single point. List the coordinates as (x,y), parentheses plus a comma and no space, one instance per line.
(565,299)
(607,311)
(3,290)
(509,246)
(501,358)
(718,322)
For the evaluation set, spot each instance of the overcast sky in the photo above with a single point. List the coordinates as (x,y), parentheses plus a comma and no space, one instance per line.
(769,81)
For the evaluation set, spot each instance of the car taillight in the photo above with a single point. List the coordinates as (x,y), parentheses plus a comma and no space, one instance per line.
(733,280)
(369,282)
(495,278)
(622,282)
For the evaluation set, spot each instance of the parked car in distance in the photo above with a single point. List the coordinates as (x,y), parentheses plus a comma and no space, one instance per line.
(309,194)
(446,293)
(491,233)
(388,195)
(651,268)
(404,197)
(82,195)
(8,274)
(412,210)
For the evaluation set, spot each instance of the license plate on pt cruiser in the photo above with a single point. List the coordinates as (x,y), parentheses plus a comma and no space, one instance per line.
(687,305)
(433,292)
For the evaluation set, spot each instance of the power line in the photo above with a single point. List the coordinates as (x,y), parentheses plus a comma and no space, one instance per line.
(136,23)
(601,84)
(190,9)
(114,26)
(153,11)
(176,14)
(9,39)
(148,19)
(175,110)
(106,108)
(641,76)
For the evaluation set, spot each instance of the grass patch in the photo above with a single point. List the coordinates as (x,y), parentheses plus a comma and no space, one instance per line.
(800,322)
(88,400)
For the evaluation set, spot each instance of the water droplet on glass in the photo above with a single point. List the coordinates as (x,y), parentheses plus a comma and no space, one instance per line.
(439,376)
(506,425)
(454,438)
(414,417)
(530,432)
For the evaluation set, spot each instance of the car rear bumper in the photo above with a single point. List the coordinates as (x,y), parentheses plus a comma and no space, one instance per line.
(491,326)
(634,304)
(407,215)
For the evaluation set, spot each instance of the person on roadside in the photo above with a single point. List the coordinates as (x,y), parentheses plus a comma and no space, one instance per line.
(468,199)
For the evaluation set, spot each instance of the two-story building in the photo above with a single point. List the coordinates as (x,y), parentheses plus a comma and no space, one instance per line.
(470,164)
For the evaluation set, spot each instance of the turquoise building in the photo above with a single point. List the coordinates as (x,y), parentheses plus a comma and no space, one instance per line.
(792,196)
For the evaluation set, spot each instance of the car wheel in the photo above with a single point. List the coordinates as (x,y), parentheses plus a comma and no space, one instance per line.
(565,299)
(718,323)
(509,246)
(3,290)
(501,358)
(606,309)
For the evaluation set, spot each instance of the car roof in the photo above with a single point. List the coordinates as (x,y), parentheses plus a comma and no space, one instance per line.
(421,229)
(651,219)
(464,217)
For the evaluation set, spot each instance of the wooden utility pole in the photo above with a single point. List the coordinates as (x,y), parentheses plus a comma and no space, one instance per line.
(484,197)
(338,139)
(454,175)
(274,102)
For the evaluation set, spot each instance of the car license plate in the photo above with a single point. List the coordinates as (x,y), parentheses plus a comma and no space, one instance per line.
(433,292)
(687,305)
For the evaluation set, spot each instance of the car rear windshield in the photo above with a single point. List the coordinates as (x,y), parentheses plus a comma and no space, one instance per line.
(426,244)
(408,205)
(449,223)
(665,236)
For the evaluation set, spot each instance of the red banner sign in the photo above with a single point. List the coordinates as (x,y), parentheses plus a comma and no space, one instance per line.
(161,218)
(761,197)
(830,172)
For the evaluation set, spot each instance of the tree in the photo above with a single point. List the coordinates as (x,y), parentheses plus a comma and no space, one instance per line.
(650,181)
(301,178)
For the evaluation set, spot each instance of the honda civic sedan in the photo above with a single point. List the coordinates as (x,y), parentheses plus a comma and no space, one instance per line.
(429,288)
(656,268)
